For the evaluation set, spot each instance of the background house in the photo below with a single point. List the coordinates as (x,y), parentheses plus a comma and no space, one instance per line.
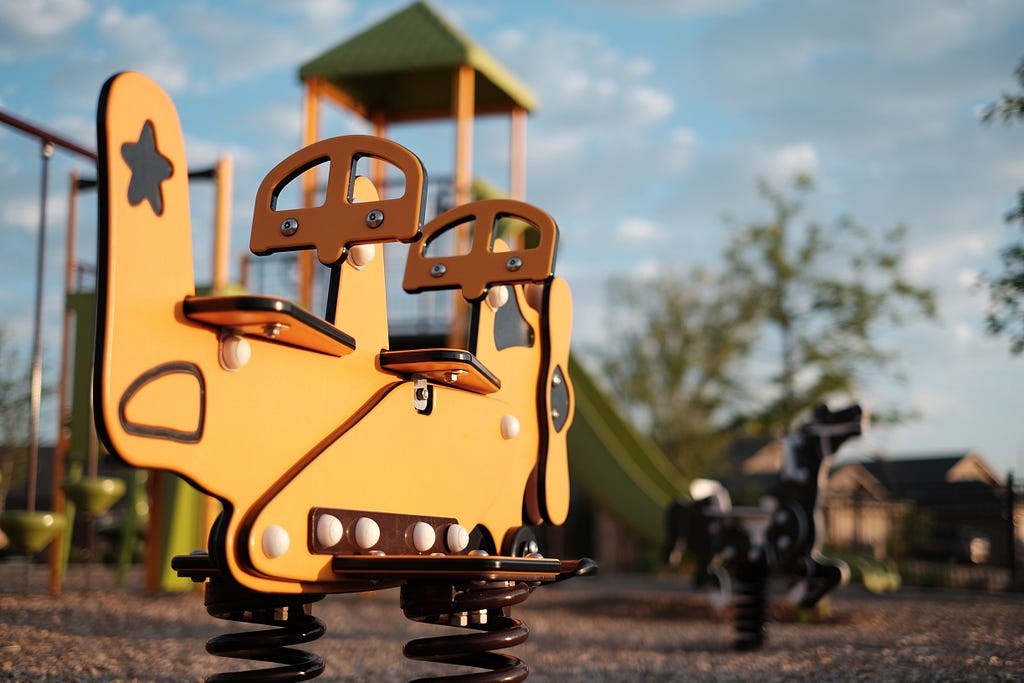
(942,507)
(947,507)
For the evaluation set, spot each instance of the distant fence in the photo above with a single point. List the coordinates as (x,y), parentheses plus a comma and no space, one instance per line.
(976,577)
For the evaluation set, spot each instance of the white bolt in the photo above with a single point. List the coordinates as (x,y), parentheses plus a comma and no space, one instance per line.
(362,254)
(275,541)
(509,426)
(367,533)
(422,536)
(235,352)
(497,297)
(457,538)
(329,530)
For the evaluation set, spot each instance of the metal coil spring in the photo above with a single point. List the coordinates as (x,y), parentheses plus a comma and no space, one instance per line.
(483,607)
(292,623)
(750,588)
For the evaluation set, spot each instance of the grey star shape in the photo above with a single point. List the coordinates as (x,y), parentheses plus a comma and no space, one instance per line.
(149,169)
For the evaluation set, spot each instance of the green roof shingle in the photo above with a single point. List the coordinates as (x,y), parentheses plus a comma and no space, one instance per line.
(402,68)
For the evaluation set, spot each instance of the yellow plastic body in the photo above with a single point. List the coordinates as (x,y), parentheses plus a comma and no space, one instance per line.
(308,421)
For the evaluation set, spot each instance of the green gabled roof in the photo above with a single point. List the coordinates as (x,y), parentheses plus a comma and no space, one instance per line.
(402,68)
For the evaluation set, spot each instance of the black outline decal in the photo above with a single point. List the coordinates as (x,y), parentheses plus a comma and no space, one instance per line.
(169,433)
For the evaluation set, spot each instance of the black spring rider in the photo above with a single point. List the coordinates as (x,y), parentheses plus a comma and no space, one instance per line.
(740,548)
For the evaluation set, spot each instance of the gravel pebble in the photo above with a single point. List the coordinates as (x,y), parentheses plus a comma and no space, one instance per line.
(604,628)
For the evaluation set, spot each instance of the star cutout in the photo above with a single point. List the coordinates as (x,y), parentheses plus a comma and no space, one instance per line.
(149,169)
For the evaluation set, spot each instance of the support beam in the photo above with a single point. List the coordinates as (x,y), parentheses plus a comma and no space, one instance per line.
(310,134)
(223,176)
(517,155)
(462,105)
(380,129)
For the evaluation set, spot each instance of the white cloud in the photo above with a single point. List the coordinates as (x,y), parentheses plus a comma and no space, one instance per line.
(141,42)
(509,39)
(42,18)
(21,212)
(924,31)
(638,230)
(649,105)
(324,12)
(594,83)
(964,334)
(646,269)
(968,277)
(680,8)
(681,148)
(786,163)
(937,257)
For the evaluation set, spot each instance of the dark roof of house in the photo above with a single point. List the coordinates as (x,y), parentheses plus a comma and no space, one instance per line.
(931,479)
(908,471)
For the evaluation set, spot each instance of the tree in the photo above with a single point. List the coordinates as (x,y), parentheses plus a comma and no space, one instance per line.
(1006,290)
(673,362)
(804,300)
(14,417)
(822,295)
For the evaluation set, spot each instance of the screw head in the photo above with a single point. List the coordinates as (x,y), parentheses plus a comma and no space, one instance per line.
(438,270)
(374,218)
(513,264)
(289,226)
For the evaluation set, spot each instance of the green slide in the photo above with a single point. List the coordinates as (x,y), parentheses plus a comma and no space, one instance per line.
(620,470)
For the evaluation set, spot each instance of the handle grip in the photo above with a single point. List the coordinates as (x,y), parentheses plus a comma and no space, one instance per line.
(340,221)
(482,267)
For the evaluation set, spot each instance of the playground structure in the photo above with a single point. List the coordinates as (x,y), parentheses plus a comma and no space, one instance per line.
(607,454)
(169,513)
(738,549)
(342,466)
(79,491)
(231,377)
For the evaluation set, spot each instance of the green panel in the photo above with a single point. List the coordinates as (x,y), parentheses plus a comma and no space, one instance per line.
(83,305)
(619,470)
(183,507)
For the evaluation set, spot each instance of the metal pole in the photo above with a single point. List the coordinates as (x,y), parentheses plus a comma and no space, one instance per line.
(45,135)
(1011,508)
(37,353)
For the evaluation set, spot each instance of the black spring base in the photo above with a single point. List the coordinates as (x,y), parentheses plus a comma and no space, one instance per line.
(750,587)
(483,607)
(292,623)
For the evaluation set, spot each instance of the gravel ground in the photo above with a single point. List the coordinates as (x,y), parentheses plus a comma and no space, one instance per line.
(603,628)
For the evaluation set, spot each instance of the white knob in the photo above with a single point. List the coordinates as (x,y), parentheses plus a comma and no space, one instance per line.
(329,530)
(235,352)
(422,536)
(360,255)
(497,296)
(275,541)
(509,426)
(457,538)
(367,533)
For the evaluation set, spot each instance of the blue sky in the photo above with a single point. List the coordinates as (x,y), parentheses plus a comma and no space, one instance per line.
(656,117)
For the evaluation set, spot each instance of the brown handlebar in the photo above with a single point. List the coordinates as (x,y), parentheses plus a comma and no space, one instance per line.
(339,222)
(482,267)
